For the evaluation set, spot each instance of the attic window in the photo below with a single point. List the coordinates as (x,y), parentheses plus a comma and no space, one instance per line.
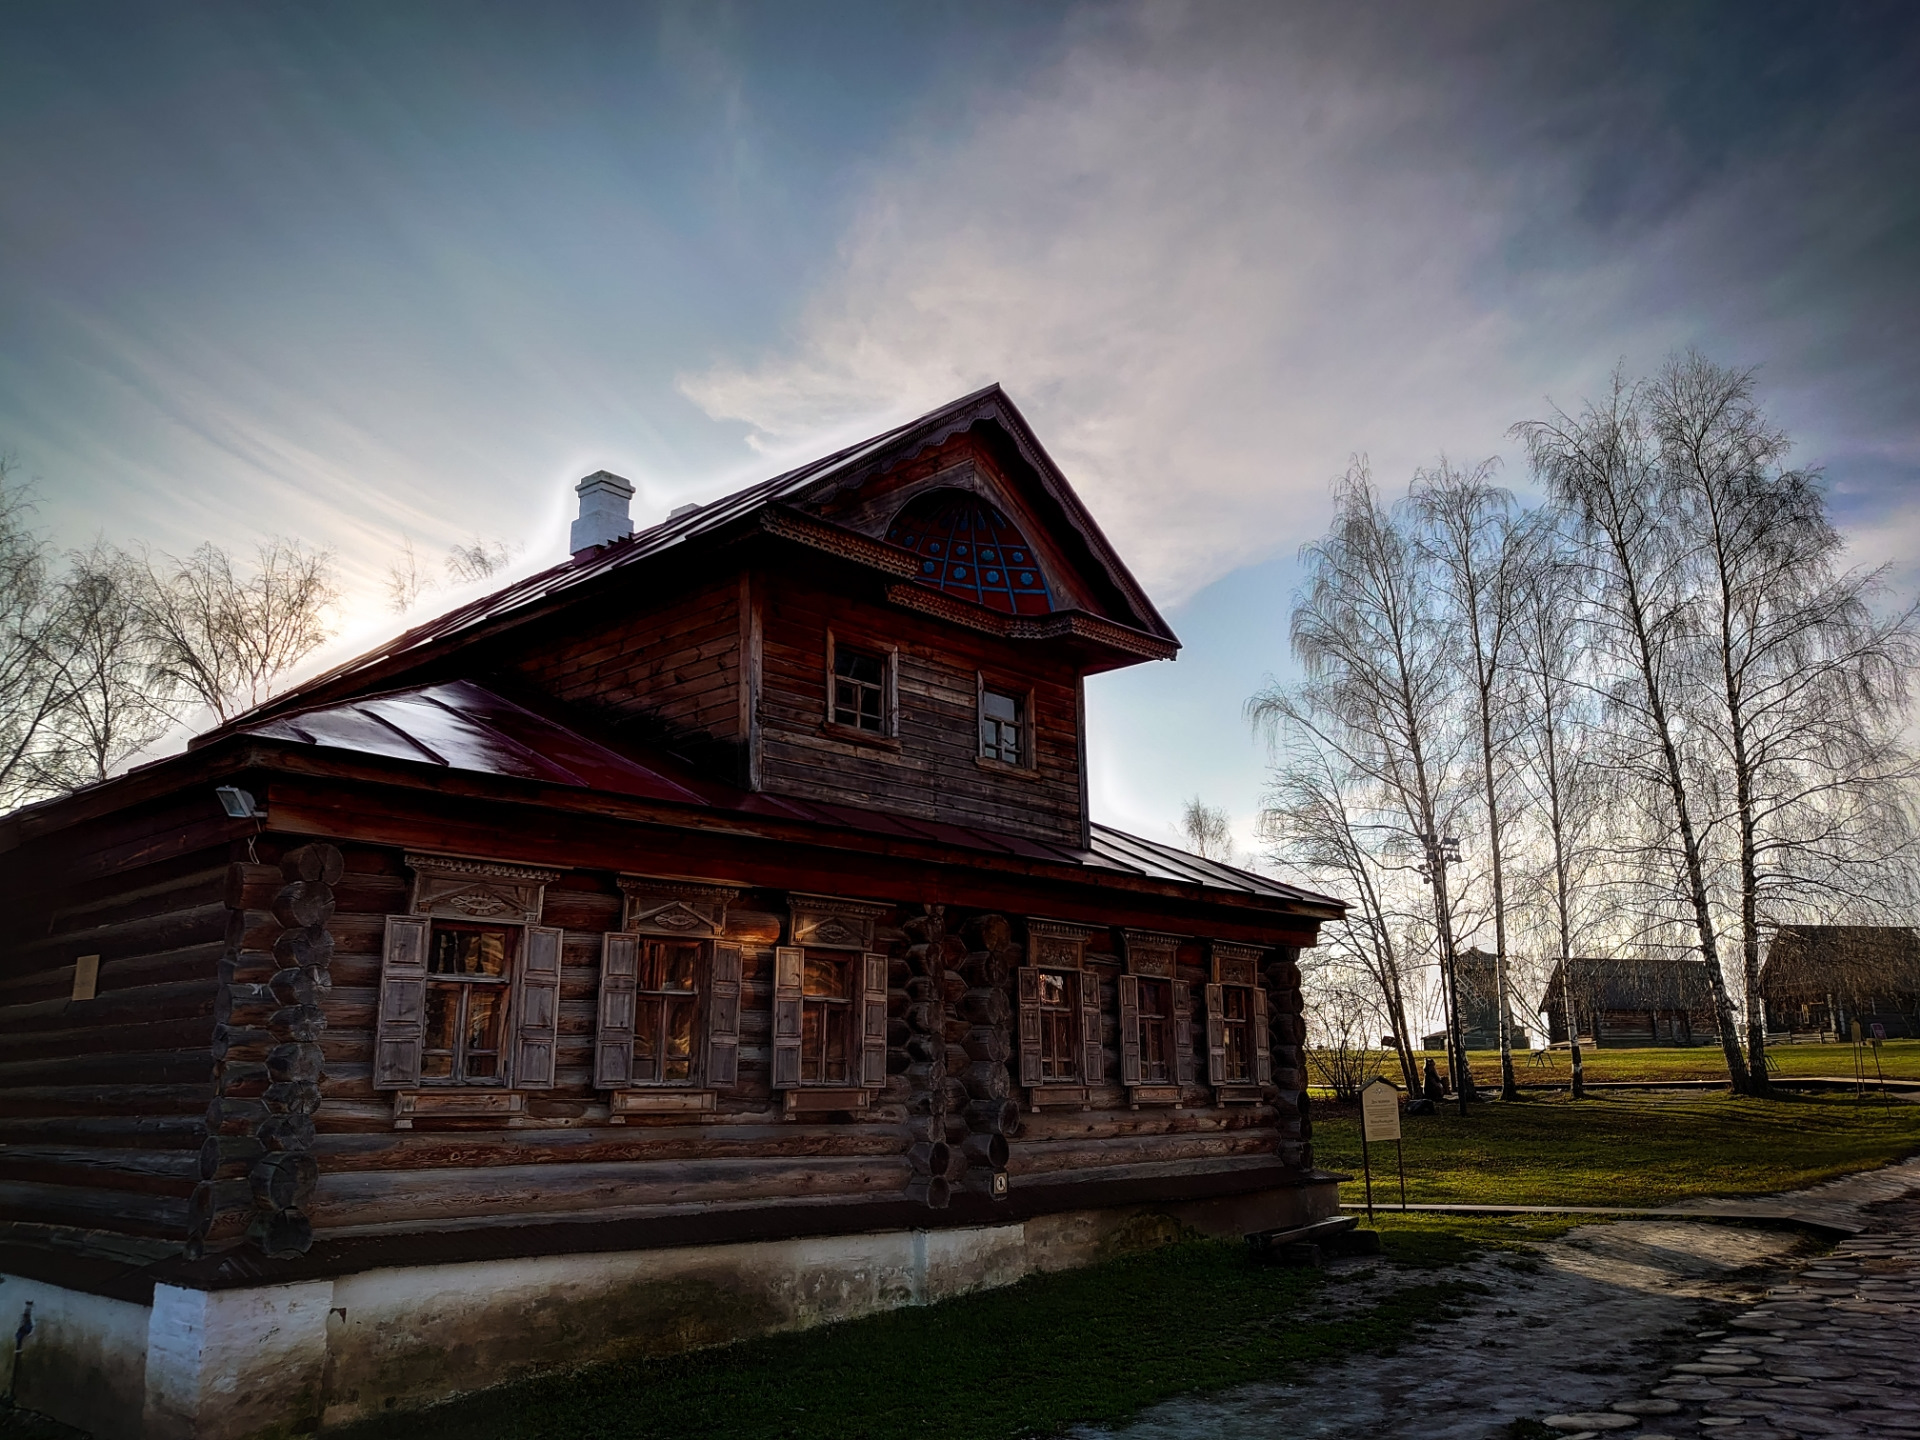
(860,689)
(971,550)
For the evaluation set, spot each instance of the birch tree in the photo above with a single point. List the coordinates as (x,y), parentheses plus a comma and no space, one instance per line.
(1479,547)
(1368,632)
(1801,689)
(1606,468)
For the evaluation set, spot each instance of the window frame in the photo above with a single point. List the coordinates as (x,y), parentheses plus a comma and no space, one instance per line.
(828,926)
(668,912)
(1058,948)
(1151,959)
(463,890)
(888,736)
(465,985)
(1028,765)
(1236,968)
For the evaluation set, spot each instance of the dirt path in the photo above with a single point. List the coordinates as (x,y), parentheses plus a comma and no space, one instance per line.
(1599,1317)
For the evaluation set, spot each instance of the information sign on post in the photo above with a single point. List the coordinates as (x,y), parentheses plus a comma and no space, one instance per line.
(1380,1121)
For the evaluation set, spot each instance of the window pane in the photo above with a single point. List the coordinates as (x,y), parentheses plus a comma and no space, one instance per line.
(838,1023)
(859,665)
(821,977)
(679,1047)
(1053,988)
(484,1014)
(646,1039)
(678,964)
(443,1016)
(812,1021)
(436,1067)
(471,949)
(1000,707)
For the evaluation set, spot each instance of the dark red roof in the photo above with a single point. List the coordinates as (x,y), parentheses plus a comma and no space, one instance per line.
(465,726)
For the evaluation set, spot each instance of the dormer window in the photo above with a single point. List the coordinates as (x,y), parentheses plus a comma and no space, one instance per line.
(1003,727)
(862,689)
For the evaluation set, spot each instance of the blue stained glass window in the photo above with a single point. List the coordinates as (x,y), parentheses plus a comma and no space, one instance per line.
(951,529)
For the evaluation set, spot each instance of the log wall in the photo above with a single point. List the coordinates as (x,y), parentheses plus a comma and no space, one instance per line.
(103,1102)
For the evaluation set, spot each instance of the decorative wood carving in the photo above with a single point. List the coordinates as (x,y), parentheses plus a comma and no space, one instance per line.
(827,923)
(1057,944)
(1236,964)
(1148,952)
(676,907)
(451,887)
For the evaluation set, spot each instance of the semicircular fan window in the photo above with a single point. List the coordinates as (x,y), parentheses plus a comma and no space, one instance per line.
(970,549)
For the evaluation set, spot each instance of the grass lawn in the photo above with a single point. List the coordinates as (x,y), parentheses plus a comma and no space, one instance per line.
(1621,1148)
(1899,1060)
(1086,1345)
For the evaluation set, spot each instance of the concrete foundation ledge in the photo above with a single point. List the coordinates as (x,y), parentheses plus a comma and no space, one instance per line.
(280,1359)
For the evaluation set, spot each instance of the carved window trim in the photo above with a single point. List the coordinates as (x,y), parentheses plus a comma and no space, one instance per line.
(689,909)
(828,922)
(1152,956)
(468,890)
(1059,946)
(1237,967)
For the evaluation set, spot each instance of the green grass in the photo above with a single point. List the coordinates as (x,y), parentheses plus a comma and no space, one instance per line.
(1899,1060)
(1622,1148)
(1091,1345)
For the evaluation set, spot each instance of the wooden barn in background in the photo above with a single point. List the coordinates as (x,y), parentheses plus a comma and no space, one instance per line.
(1818,979)
(1635,1001)
(704,935)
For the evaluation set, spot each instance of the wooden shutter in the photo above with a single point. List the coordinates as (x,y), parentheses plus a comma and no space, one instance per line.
(1216,1034)
(537,1008)
(1130,1029)
(873,1023)
(403,1004)
(723,1018)
(1182,1033)
(1093,1065)
(788,963)
(1029,1025)
(1262,1051)
(613,1031)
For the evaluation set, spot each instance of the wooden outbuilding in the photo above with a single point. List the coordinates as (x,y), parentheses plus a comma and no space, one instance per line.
(705,935)
(1639,1000)
(1817,980)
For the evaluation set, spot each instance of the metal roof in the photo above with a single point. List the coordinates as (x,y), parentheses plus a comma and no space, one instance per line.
(464,726)
(810,480)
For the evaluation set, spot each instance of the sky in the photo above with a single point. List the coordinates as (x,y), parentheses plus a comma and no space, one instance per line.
(368,275)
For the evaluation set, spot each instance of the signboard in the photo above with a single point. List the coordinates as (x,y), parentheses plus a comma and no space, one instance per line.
(1879,1033)
(1379,1111)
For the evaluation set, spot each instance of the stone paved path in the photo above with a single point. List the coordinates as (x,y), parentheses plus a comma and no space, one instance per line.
(1605,1334)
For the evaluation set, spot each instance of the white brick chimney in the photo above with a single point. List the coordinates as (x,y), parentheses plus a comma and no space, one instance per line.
(604,498)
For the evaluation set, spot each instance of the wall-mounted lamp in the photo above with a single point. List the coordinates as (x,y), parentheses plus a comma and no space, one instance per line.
(239,804)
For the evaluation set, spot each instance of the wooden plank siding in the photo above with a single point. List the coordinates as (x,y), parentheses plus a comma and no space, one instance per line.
(934,771)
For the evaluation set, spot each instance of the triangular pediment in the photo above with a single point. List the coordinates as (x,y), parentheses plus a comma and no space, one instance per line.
(989,518)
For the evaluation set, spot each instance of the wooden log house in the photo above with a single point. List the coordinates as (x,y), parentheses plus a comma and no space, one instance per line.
(705,935)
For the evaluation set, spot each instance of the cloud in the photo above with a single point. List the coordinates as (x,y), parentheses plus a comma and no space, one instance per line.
(1214,260)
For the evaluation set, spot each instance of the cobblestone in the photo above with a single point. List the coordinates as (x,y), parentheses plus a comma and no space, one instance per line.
(1591,1343)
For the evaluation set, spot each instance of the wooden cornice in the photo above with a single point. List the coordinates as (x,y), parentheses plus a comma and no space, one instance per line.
(1064,624)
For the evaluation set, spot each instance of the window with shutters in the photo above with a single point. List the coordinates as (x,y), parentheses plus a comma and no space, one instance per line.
(1239,1057)
(469,981)
(1156,1045)
(830,1006)
(667,1035)
(469,990)
(1059,1014)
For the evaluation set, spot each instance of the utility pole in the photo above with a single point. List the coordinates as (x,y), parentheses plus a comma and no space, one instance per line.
(1442,851)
